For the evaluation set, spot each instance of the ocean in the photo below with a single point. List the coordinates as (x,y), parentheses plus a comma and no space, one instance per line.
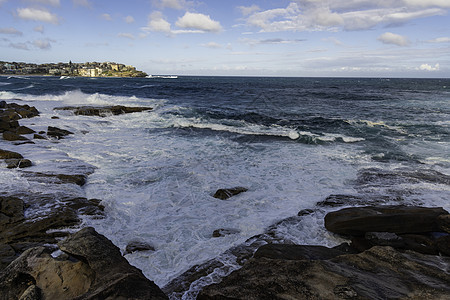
(292,142)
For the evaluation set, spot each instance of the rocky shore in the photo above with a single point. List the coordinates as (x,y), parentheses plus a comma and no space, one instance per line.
(394,251)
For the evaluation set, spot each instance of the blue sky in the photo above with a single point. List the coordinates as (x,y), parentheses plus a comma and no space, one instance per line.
(371,38)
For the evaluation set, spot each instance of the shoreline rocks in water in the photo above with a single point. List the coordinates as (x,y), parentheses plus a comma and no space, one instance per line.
(279,271)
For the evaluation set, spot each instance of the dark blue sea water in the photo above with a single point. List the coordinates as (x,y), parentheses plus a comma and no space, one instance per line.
(292,142)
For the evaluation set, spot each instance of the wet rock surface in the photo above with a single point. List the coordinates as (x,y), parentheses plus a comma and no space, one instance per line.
(103,111)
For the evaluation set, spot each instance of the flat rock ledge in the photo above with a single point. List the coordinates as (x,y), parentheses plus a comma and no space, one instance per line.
(103,111)
(386,267)
(88,266)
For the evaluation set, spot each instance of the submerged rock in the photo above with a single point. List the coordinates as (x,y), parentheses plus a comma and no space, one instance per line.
(57,133)
(103,111)
(225,231)
(138,246)
(224,194)
(6,154)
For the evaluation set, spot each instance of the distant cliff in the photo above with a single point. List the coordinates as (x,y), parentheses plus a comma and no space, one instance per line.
(88,69)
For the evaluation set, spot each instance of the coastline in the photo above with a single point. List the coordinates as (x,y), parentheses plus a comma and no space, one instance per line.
(51,228)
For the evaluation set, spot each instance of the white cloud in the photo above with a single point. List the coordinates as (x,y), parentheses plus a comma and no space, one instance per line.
(311,15)
(253,42)
(198,21)
(428,3)
(129,19)
(440,40)
(394,39)
(36,14)
(247,10)
(106,17)
(20,46)
(175,4)
(212,45)
(39,28)
(42,44)
(84,3)
(156,22)
(48,2)
(10,30)
(427,67)
(126,35)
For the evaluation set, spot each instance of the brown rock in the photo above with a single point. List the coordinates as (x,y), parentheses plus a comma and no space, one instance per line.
(396,219)
(444,223)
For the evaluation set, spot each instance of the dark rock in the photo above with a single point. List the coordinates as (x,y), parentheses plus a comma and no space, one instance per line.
(346,248)
(103,111)
(443,245)
(114,277)
(396,219)
(360,244)
(444,223)
(384,239)
(419,243)
(11,136)
(24,130)
(7,255)
(296,252)
(224,194)
(5,154)
(57,133)
(58,178)
(38,137)
(11,210)
(138,246)
(305,212)
(18,163)
(378,273)
(55,117)
(2,104)
(225,231)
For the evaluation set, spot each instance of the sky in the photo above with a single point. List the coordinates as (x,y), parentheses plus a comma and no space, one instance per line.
(305,38)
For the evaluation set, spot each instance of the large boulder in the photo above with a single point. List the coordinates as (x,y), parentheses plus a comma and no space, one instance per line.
(91,267)
(396,219)
(378,273)
(114,276)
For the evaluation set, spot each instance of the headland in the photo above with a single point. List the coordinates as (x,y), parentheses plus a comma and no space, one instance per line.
(86,69)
